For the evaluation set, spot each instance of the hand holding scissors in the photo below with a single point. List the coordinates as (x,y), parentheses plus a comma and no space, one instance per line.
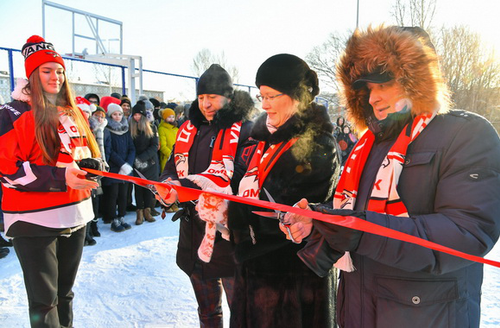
(155,192)
(277,215)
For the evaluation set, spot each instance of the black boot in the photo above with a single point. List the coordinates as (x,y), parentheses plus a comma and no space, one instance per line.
(93,228)
(89,241)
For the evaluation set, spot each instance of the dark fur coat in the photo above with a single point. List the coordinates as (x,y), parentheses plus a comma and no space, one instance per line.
(273,287)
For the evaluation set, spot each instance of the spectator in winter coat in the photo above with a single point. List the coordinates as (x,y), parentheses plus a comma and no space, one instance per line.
(126,106)
(445,169)
(346,141)
(167,131)
(87,108)
(46,198)
(156,110)
(105,101)
(97,124)
(145,137)
(92,98)
(149,107)
(207,143)
(273,287)
(120,156)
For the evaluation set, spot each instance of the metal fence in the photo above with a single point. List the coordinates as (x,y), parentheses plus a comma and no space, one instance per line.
(86,76)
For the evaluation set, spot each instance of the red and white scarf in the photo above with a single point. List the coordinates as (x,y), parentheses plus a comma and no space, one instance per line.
(384,197)
(73,146)
(217,177)
(261,164)
(220,171)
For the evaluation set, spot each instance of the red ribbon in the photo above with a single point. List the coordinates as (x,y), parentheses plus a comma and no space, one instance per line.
(186,194)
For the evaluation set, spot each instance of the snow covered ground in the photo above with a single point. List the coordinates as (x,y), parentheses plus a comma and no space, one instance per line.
(130,279)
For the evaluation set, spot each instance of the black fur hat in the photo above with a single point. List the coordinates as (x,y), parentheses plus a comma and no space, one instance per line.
(215,80)
(288,74)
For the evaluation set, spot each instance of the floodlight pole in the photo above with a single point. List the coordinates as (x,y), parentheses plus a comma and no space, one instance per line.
(357,15)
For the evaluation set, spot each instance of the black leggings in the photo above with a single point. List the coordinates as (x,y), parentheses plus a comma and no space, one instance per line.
(113,195)
(49,267)
(143,197)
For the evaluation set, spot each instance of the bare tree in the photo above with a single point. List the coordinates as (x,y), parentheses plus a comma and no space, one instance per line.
(323,59)
(204,58)
(472,70)
(414,13)
(106,75)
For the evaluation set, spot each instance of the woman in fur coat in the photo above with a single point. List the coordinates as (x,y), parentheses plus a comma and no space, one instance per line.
(296,155)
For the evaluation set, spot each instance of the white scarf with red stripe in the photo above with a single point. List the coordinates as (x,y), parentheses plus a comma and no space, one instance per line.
(384,197)
(217,177)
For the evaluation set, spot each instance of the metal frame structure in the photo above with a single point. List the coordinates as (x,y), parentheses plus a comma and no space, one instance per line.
(103,55)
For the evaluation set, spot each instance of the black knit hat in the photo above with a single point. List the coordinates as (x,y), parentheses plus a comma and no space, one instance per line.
(288,74)
(140,108)
(215,81)
(155,102)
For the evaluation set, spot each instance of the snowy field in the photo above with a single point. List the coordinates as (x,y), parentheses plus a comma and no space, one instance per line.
(130,279)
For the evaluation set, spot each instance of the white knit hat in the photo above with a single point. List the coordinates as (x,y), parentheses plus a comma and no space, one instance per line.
(114,108)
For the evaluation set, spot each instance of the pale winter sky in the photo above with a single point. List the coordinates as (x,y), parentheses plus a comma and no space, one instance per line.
(169,33)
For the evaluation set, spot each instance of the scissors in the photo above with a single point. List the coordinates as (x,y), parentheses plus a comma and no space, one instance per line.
(276,215)
(152,188)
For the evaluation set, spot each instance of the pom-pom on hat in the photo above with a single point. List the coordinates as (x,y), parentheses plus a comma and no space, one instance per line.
(216,81)
(114,108)
(85,105)
(37,51)
(140,108)
(148,104)
(288,74)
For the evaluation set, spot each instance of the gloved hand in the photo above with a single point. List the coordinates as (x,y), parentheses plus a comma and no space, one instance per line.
(318,255)
(94,164)
(126,169)
(140,165)
(338,237)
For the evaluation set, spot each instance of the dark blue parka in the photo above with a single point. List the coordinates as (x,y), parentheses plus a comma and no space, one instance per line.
(118,146)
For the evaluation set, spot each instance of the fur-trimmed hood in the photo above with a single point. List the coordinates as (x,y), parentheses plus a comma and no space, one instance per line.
(239,109)
(409,58)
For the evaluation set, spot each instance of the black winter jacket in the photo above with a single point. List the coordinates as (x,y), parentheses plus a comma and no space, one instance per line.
(307,170)
(146,151)
(192,229)
(450,185)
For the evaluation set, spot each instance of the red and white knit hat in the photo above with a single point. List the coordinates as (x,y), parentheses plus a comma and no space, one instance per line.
(37,52)
(85,105)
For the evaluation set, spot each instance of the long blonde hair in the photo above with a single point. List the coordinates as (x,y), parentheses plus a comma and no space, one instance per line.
(143,125)
(47,118)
